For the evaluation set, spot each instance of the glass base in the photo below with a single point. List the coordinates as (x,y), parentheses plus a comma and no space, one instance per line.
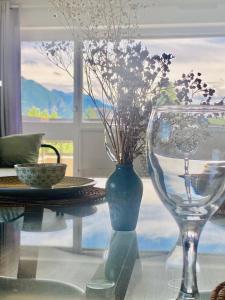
(100,284)
(184,296)
(201,296)
(100,288)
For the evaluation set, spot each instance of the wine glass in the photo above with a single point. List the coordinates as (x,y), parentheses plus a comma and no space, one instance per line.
(186,158)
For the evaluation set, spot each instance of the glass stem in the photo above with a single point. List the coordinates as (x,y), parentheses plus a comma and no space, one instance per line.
(190,234)
(187,178)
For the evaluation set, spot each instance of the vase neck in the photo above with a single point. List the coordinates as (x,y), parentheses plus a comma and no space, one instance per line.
(124,166)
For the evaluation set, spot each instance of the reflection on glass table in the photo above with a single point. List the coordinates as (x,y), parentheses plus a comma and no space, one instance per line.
(78,249)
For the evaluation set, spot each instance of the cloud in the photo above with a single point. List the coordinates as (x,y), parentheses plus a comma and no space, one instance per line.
(57,73)
(30,62)
(43,71)
(205,55)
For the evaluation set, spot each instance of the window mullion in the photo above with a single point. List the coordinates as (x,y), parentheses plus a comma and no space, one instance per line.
(78,87)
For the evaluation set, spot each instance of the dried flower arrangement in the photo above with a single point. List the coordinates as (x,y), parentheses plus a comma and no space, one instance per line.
(130,79)
(97,19)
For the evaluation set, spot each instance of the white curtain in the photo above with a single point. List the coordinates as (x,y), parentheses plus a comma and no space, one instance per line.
(10,55)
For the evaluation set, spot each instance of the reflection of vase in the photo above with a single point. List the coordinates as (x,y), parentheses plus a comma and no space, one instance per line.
(123,251)
(113,276)
(124,190)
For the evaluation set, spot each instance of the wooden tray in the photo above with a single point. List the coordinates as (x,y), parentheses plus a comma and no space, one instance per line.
(87,196)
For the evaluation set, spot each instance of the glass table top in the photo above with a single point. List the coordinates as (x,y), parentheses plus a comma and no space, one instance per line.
(46,254)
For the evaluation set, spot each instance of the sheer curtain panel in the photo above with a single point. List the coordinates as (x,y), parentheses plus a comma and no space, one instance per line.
(10,87)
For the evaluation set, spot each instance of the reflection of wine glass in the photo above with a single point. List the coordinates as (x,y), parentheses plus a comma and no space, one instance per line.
(174,263)
(111,280)
(186,151)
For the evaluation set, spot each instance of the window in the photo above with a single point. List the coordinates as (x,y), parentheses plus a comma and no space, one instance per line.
(47,91)
(190,54)
(204,55)
(48,99)
(56,117)
(66,151)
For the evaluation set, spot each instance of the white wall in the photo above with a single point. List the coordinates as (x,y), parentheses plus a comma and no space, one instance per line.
(93,157)
(164,18)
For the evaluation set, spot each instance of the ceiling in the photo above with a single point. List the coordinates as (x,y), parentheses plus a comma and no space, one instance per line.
(182,4)
(168,17)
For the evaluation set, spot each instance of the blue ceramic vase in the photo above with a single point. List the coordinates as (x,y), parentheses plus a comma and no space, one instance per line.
(124,191)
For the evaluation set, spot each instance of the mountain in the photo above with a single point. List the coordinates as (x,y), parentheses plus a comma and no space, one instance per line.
(36,95)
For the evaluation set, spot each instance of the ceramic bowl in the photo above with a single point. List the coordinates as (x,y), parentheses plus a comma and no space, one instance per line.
(40,175)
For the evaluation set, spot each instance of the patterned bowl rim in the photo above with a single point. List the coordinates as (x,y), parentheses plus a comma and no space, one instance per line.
(58,187)
(39,166)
